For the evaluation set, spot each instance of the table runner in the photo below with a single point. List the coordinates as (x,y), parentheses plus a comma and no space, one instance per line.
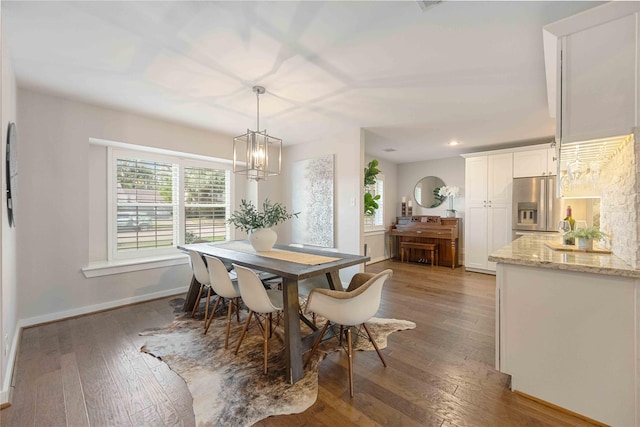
(283,255)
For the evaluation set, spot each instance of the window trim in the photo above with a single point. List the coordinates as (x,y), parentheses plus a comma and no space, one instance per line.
(123,150)
(106,268)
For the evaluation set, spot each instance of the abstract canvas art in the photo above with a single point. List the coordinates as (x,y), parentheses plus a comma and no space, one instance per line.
(312,190)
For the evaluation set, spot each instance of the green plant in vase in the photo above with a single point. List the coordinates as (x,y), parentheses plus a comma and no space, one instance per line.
(257,224)
(586,236)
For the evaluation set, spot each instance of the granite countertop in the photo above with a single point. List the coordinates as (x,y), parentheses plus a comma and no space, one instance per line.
(530,250)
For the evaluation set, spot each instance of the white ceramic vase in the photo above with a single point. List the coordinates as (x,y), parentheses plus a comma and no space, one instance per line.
(586,244)
(263,239)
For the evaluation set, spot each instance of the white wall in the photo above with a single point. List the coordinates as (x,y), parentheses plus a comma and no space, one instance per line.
(8,276)
(348,149)
(62,217)
(450,170)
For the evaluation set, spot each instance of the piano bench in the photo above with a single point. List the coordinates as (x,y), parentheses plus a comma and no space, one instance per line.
(432,248)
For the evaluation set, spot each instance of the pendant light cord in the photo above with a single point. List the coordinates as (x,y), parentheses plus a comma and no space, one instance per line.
(257,111)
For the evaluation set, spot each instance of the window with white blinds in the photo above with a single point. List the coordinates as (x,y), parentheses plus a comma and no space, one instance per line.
(206,204)
(377,220)
(159,202)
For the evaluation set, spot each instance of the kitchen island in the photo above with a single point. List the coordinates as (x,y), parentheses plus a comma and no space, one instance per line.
(566,328)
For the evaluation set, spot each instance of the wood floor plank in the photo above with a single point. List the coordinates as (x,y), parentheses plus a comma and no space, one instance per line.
(104,403)
(76,409)
(50,410)
(26,379)
(157,394)
(177,391)
(65,340)
(119,367)
(48,348)
(147,417)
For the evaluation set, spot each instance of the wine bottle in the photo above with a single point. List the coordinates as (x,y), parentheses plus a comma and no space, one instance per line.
(572,222)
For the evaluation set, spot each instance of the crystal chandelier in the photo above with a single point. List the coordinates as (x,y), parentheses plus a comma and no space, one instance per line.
(257,154)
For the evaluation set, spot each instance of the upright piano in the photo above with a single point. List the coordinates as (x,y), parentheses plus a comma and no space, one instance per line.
(427,229)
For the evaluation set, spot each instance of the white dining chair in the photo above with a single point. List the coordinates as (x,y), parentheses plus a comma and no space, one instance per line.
(260,302)
(201,274)
(352,307)
(221,283)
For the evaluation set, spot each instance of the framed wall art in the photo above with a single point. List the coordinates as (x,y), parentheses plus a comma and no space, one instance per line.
(312,193)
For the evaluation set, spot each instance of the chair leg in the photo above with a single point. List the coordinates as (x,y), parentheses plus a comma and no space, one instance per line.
(316,344)
(244,331)
(226,338)
(350,361)
(375,345)
(213,312)
(206,306)
(266,333)
(197,303)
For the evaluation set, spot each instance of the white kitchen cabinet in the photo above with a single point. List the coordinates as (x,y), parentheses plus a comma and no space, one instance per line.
(537,162)
(552,160)
(592,74)
(488,182)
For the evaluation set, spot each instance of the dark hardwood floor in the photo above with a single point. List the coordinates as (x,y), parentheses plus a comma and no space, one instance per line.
(89,371)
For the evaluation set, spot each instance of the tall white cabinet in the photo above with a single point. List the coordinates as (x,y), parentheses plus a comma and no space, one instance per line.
(488,182)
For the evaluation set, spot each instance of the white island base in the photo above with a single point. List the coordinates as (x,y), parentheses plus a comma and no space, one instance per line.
(569,338)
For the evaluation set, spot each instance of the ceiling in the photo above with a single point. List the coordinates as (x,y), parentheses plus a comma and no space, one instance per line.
(414,79)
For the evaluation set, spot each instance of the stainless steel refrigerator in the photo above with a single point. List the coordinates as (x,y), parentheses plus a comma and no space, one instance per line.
(536,209)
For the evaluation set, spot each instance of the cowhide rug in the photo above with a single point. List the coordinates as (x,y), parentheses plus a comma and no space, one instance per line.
(232,390)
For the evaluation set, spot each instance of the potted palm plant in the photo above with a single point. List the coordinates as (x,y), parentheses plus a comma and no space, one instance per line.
(258,224)
(586,236)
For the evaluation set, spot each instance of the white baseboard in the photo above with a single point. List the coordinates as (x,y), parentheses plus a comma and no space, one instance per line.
(5,393)
(52,317)
(378,259)
(31,321)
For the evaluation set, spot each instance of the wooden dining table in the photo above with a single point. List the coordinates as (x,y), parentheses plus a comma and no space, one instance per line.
(292,264)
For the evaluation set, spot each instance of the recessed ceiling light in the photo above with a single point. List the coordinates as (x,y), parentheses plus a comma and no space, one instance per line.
(454,142)
(389,150)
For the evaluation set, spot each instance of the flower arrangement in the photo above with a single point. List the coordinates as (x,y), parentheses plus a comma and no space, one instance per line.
(451,193)
(249,218)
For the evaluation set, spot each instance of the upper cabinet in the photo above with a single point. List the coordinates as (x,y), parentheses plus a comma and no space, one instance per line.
(592,73)
(538,162)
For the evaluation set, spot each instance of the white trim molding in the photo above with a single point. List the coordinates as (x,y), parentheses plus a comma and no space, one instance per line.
(106,268)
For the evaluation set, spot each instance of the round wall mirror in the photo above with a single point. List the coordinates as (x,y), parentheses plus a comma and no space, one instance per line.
(426,192)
